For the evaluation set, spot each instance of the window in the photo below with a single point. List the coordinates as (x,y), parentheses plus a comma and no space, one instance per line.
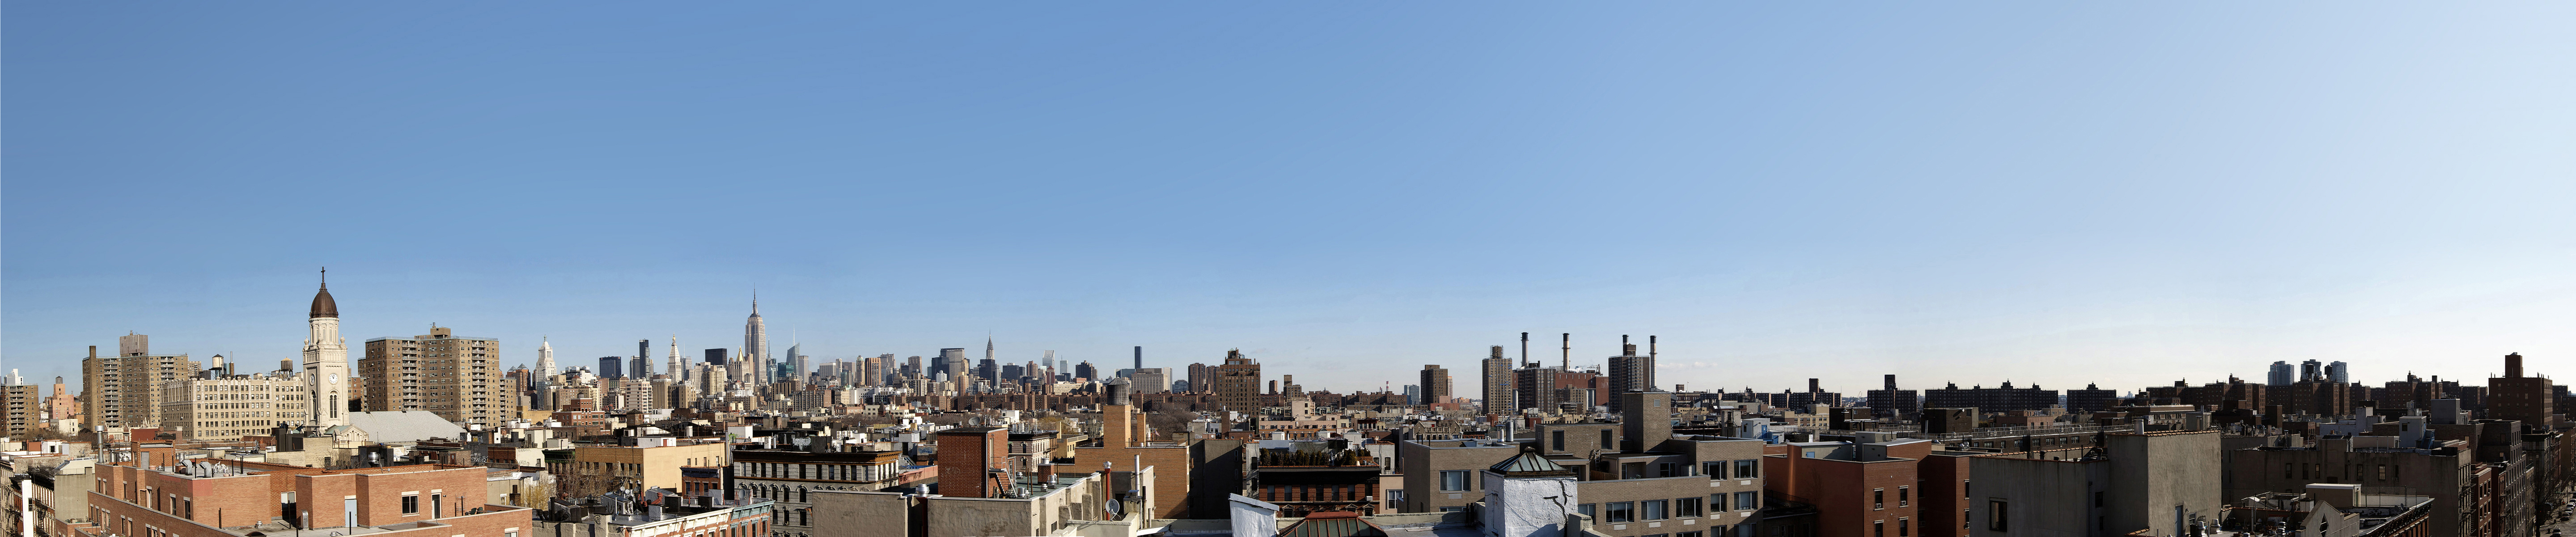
(1997,511)
(1668,469)
(2383,472)
(1748,500)
(1878,528)
(1904,527)
(1807,454)
(1605,439)
(1713,469)
(1748,469)
(1654,509)
(2097,498)
(1685,507)
(1687,534)
(1903,495)
(1453,480)
(1558,436)
(1452,509)
(1877,499)
(1623,512)
(411,504)
(1394,498)
(2286,469)
(1586,509)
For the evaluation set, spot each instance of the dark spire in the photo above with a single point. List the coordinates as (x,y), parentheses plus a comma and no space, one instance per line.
(322,304)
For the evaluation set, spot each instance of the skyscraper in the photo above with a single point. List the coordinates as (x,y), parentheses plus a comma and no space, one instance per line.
(326,361)
(440,372)
(1497,383)
(755,344)
(2312,371)
(1084,370)
(797,362)
(123,391)
(952,361)
(1202,378)
(2335,372)
(2281,374)
(1140,357)
(642,368)
(679,366)
(611,367)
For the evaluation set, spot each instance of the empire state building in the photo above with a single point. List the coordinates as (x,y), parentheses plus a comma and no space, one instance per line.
(755,347)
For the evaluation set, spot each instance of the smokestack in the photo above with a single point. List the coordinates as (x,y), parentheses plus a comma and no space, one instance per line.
(1650,347)
(1812,388)
(1567,362)
(1891,383)
(2513,365)
(1525,351)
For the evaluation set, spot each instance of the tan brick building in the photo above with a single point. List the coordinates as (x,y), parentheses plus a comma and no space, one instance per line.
(217,498)
(124,391)
(230,406)
(459,378)
(1238,384)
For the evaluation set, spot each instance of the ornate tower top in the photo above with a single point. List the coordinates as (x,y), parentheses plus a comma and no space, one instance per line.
(322,304)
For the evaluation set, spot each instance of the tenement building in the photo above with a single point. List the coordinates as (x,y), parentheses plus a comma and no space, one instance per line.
(1990,399)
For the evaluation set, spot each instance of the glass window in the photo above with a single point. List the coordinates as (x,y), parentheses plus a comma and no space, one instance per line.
(1654,509)
(1685,507)
(1668,469)
(1687,534)
(1605,439)
(1587,510)
(1623,512)
(1878,528)
(1748,500)
(1453,480)
(411,504)
(1452,509)
(1558,436)
(1877,499)
(1904,527)
(1713,469)
(1903,494)
(1748,469)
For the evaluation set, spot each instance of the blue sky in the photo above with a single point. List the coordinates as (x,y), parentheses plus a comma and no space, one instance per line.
(2037,192)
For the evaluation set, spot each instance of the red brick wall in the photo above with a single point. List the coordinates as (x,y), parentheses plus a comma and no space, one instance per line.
(964,457)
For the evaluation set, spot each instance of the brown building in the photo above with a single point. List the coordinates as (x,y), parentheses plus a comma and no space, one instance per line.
(1310,481)
(22,408)
(1496,388)
(1238,384)
(972,461)
(456,377)
(2513,396)
(124,391)
(1435,384)
(1126,440)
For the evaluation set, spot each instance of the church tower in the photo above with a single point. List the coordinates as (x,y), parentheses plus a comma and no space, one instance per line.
(546,359)
(326,362)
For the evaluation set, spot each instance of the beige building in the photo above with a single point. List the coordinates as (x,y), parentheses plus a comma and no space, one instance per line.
(230,406)
(595,469)
(456,377)
(22,407)
(124,391)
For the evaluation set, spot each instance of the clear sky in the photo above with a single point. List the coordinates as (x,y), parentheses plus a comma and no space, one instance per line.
(2042,192)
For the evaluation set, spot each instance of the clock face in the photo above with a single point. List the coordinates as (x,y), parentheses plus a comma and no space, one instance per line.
(335,377)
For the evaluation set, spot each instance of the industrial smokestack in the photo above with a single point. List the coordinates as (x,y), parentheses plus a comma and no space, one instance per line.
(2513,365)
(1525,351)
(1567,361)
(1650,346)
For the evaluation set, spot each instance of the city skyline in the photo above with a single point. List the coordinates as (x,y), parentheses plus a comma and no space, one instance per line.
(2057,195)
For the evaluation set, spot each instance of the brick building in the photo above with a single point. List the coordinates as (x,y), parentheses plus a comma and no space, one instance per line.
(143,496)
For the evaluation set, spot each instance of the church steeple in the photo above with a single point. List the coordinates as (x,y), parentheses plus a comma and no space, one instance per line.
(323,306)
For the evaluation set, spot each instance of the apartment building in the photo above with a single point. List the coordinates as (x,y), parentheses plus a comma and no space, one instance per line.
(123,391)
(2141,483)
(459,378)
(143,493)
(1238,383)
(592,470)
(230,406)
(22,407)
(790,479)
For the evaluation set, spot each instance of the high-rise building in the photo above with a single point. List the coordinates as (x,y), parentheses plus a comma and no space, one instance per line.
(1535,387)
(716,357)
(612,367)
(642,367)
(1435,385)
(453,376)
(1630,373)
(679,367)
(953,362)
(1495,383)
(2281,374)
(1413,394)
(2335,372)
(124,391)
(1086,371)
(1140,358)
(2095,399)
(1990,399)
(2515,396)
(912,368)
(1238,383)
(22,407)
(755,345)
(2312,371)
(326,362)
(1202,378)
(797,362)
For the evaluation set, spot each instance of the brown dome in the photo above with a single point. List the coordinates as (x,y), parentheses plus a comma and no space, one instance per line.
(323,306)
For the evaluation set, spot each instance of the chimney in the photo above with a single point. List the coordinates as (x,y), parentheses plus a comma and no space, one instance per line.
(1891,383)
(2513,365)
(1650,346)
(1567,361)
